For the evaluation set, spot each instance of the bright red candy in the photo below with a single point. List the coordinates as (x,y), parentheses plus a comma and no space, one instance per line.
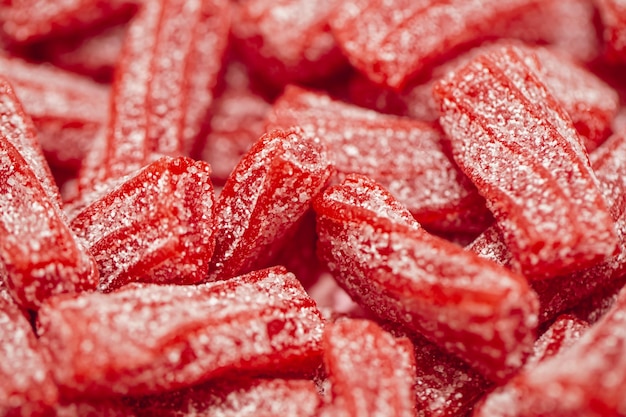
(161,94)
(405,156)
(67,110)
(156,226)
(613,15)
(391,41)
(148,339)
(237,398)
(515,142)
(472,307)
(370,372)
(265,197)
(303,50)
(26,385)
(586,379)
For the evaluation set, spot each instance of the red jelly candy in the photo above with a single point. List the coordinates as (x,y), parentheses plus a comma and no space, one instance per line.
(237,398)
(166,63)
(264,199)
(561,335)
(405,156)
(157,226)
(613,15)
(470,306)
(586,379)
(148,339)
(512,138)
(68,110)
(370,372)
(391,41)
(303,50)
(26,385)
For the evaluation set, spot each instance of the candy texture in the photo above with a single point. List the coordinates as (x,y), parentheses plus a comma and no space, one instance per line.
(370,372)
(613,15)
(471,307)
(139,340)
(157,226)
(512,138)
(264,199)
(405,156)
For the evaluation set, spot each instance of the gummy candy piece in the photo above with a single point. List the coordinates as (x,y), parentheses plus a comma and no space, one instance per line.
(405,156)
(561,335)
(596,305)
(31,20)
(147,338)
(237,121)
(391,41)
(370,372)
(157,226)
(586,379)
(264,199)
(613,15)
(512,138)
(237,398)
(26,385)
(303,50)
(155,97)
(38,251)
(67,110)
(114,407)
(472,307)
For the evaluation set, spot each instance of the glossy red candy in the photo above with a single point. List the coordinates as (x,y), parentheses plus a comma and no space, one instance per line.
(68,111)
(30,20)
(237,398)
(613,15)
(157,226)
(26,385)
(472,307)
(264,199)
(391,41)
(370,372)
(169,64)
(405,156)
(148,339)
(515,142)
(586,379)
(303,50)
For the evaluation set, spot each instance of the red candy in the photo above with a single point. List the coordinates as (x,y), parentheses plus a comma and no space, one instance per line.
(370,372)
(157,226)
(151,338)
(405,156)
(431,286)
(264,198)
(613,15)
(512,138)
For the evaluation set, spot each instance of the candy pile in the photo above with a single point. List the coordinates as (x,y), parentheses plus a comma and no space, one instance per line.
(333,208)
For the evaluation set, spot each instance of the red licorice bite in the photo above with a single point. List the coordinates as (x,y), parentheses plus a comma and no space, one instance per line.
(370,372)
(156,226)
(262,202)
(406,156)
(146,338)
(474,308)
(514,140)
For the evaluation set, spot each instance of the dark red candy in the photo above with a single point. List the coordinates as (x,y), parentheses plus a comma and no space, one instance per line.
(370,372)
(67,110)
(236,398)
(391,41)
(237,121)
(586,379)
(303,50)
(147,338)
(613,16)
(265,197)
(472,307)
(405,156)
(515,142)
(26,385)
(157,226)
